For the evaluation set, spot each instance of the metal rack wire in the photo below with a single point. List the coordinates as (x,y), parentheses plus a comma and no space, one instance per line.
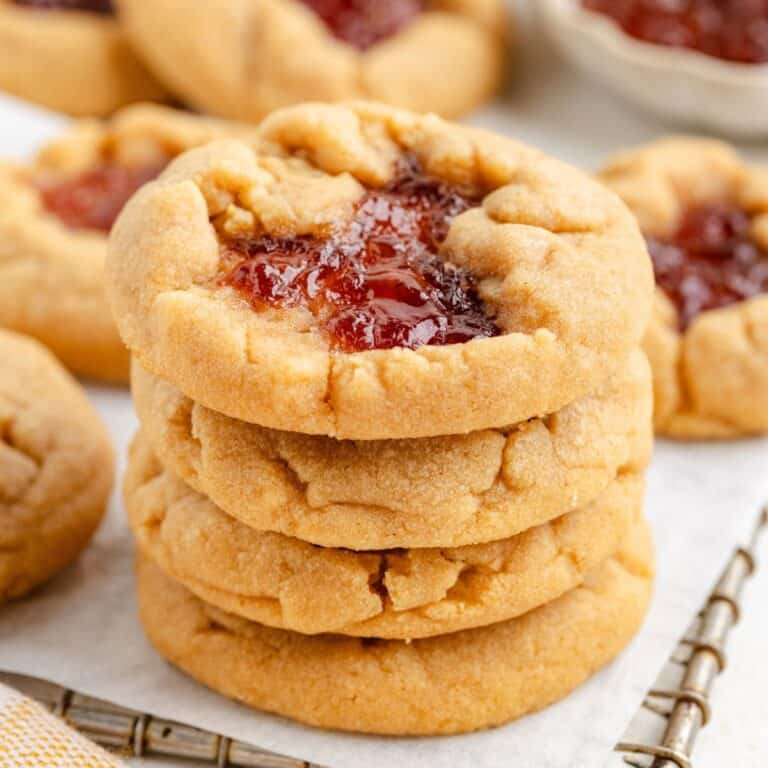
(135,734)
(696,662)
(683,708)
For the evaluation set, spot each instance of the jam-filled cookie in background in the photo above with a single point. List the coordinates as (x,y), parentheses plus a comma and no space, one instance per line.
(463,681)
(704,212)
(243,58)
(288,583)
(55,214)
(71,56)
(369,273)
(56,466)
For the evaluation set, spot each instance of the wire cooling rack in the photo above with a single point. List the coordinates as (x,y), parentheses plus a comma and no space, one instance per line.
(679,701)
(675,709)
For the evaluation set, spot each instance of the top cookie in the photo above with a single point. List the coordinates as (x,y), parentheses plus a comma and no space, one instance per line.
(367,273)
(244,58)
(705,214)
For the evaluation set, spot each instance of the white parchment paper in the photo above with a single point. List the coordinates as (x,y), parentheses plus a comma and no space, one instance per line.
(81,631)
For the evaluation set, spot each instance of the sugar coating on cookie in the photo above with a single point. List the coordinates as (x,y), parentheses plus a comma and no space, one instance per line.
(57,212)
(406,593)
(530,285)
(704,213)
(454,683)
(56,466)
(245,58)
(431,492)
(71,56)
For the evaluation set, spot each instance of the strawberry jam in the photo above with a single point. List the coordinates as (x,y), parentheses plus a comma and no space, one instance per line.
(93,199)
(92,6)
(362,23)
(710,262)
(734,30)
(376,282)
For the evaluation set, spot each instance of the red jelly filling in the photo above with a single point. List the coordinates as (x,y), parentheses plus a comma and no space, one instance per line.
(364,22)
(734,30)
(93,199)
(93,6)
(377,281)
(710,262)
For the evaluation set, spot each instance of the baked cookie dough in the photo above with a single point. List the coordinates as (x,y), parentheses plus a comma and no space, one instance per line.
(407,593)
(705,214)
(54,217)
(55,466)
(453,683)
(261,282)
(244,58)
(442,491)
(70,58)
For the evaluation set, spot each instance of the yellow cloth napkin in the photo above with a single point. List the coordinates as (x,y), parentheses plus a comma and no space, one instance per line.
(31,737)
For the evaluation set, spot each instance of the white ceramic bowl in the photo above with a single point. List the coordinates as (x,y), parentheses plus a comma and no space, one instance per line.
(685,86)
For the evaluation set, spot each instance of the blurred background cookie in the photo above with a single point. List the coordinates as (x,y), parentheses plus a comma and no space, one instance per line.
(56,466)
(72,56)
(55,214)
(243,58)
(704,213)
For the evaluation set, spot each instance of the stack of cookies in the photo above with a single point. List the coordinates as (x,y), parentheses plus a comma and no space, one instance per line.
(394,420)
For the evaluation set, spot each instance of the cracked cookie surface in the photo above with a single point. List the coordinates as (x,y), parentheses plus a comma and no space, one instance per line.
(244,58)
(405,593)
(55,466)
(455,490)
(454,683)
(72,61)
(54,217)
(557,261)
(710,373)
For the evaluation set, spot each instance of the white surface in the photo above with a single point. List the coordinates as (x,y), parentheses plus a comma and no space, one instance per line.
(81,631)
(687,86)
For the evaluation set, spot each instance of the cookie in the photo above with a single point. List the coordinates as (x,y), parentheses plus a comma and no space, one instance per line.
(705,215)
(55,466)
(453,683)
(71,56)
(442,491)
(407,593)
(367,273)
(54,217)
(244,58)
